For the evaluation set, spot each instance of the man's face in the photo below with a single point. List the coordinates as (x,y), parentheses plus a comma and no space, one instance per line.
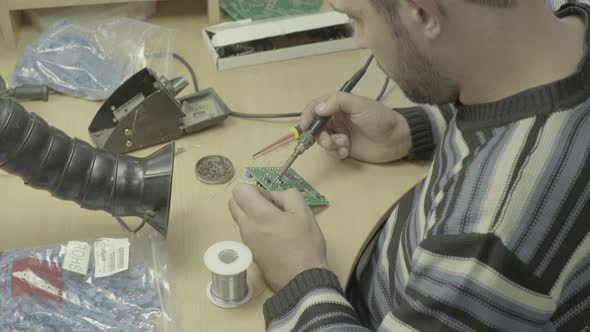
(396,52)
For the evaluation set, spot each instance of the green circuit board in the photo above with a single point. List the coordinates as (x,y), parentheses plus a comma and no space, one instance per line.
(261,9)
(266,175)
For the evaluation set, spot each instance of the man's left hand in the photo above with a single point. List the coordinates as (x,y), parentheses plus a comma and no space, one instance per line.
(281,231)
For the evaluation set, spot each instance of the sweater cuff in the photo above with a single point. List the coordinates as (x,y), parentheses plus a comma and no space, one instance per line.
(421,130)
(305,282)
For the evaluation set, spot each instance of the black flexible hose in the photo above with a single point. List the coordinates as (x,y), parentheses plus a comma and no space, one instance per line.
(46,158)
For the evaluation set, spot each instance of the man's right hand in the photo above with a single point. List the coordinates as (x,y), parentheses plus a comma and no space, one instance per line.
(360,128)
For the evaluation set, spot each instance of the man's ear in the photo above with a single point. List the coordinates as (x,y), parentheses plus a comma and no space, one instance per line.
(426,16)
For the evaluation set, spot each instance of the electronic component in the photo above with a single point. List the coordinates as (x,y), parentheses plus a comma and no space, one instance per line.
(266,175)
(262,9)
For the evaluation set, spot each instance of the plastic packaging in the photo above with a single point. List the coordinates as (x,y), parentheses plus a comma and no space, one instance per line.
(48,289)
(43,18)
(91,60)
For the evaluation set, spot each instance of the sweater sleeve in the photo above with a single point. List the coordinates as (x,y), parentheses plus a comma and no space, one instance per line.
(312,301)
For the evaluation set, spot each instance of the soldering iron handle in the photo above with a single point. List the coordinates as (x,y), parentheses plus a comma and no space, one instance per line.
(318,125)
(308,138)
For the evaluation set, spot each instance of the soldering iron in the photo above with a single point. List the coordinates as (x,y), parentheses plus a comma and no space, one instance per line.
(309,137)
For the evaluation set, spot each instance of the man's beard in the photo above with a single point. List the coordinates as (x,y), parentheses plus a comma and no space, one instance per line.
(417,77)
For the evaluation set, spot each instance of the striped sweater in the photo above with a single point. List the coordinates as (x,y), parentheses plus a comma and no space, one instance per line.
(496,238)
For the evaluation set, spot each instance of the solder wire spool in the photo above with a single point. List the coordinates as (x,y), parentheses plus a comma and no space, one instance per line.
(228,263)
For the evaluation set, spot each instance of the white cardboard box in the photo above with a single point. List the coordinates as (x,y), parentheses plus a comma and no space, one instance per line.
(247,42)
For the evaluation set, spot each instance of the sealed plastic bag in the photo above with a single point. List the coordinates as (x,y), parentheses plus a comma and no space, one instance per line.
(91,60)
(100,285)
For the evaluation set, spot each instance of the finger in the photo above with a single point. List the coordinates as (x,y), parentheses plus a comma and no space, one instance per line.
(337,145)
(264,193)
(290,200)
(308,116)
(339,154)
(340,102)
(341,141)
(236,212)
(325,141)
(343,153)
(269,196)
(330,105)
(334,154)
(251,201)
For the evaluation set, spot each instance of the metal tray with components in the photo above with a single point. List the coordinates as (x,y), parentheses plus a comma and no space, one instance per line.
(266,175)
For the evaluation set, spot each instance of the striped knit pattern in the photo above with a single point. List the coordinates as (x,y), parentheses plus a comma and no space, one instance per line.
(554,5)
(496,238)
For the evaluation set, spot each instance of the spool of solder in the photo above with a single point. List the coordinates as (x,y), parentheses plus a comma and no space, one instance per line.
(228,262)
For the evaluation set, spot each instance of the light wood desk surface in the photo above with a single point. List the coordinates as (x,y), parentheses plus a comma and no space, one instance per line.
(359,193)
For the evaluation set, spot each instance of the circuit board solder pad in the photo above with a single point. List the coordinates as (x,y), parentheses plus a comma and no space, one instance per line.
(266,175)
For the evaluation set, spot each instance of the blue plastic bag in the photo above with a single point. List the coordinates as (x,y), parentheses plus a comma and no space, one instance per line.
(45,289)
(93,59)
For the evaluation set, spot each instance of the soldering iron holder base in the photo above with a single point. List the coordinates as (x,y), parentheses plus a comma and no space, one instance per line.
(145,111)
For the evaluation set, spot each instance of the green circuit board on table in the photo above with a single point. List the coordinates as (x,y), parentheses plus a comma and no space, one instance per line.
(266,175)
(261,9)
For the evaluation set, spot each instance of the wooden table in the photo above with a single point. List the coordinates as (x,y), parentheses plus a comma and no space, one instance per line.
(359,193)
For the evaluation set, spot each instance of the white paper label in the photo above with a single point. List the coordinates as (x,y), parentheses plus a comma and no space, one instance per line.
(110,256)
(77,257)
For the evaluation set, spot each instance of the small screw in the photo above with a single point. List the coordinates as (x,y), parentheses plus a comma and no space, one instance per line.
(129,143)
(128,132)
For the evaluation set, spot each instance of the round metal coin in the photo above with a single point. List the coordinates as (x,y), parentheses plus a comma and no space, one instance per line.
(214,170)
